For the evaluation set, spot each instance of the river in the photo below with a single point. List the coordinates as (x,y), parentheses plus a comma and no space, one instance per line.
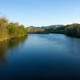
(40,57)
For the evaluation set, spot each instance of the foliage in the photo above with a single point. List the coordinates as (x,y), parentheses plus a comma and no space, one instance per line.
(11,30)
(72,30)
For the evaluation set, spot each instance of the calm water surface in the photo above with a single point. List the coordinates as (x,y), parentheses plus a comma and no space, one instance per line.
(40,57)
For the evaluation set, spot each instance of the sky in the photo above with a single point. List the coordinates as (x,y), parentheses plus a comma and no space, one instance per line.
(41,12)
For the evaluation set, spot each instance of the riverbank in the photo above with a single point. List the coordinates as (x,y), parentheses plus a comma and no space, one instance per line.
(8,38)
(4,39)
(71,30)
(10,30)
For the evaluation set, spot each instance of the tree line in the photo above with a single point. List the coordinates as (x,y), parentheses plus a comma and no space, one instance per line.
(72,30)
(10,29)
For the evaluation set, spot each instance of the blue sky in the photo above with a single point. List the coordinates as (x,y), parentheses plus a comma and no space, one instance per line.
(41,12)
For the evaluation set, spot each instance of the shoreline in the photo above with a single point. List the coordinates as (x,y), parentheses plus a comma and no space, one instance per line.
(4,39)
(1,40)
(12,37)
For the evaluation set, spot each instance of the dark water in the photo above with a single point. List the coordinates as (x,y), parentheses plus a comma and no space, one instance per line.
(40,57)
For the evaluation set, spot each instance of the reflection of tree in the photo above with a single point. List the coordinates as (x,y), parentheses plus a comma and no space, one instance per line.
(9,44)
(16,41)
(3,50)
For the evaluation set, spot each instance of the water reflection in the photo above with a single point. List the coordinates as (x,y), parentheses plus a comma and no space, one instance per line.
(3,50)
(40,57)
(6,45)
(15,42)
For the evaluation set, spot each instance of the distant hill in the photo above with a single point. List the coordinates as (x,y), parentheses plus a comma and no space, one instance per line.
(70,30)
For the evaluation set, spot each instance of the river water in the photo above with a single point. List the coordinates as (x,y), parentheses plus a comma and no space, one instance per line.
(40,57)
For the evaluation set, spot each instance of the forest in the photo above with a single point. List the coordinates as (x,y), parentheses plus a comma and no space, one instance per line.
(72,30)
(11,30)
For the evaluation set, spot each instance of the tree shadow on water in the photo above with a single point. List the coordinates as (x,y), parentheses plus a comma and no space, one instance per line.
(7,45)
